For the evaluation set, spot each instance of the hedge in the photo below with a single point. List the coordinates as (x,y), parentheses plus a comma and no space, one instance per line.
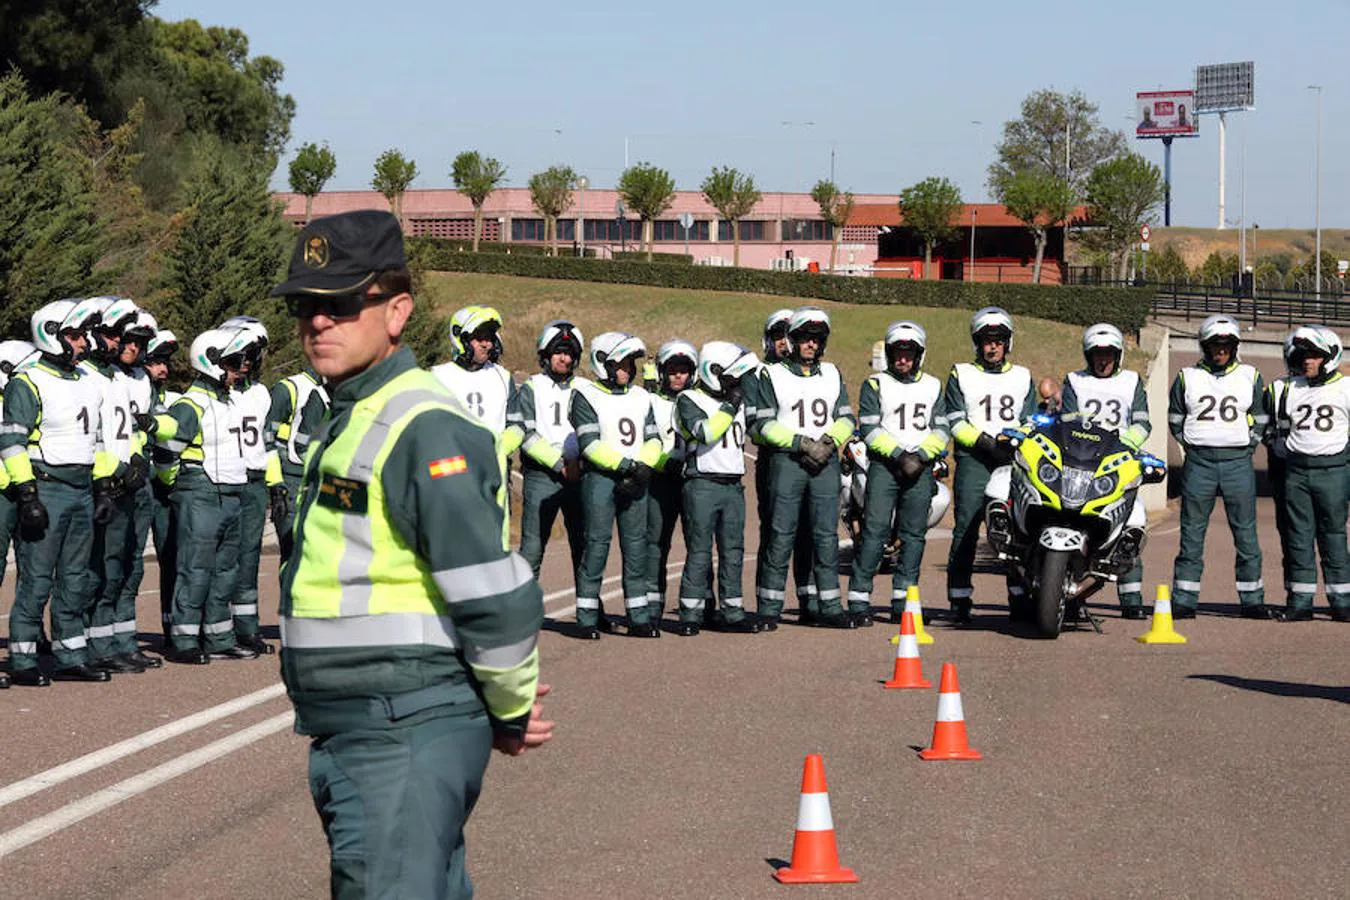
(1127,308)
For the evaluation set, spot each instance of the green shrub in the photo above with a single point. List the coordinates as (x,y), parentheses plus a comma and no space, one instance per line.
(1127,308)
(656,257)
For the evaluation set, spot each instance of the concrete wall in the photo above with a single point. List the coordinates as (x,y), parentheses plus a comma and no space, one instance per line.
(1157,382)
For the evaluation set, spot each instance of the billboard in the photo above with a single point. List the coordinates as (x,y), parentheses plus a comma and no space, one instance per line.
(1165,114)
(1226,87)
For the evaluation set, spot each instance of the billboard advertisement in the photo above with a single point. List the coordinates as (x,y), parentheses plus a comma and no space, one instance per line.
(1165,114)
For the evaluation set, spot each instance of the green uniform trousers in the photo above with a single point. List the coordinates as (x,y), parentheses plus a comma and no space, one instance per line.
(543,498)
(1315,509)
(907,501)
(803,555)
(285,540)
(603,507)
(109,565)
(9,515)
(164,528)
(799,496)
(207,518)
(55,566)
(1203,479)
(714,509)
(252,520)
(665,505)
(142,515)
(393,803)
(1275,476)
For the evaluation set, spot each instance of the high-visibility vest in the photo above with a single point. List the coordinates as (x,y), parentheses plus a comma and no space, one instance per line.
(357,583)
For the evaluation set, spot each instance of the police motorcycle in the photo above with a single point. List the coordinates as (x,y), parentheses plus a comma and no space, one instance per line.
(853,492)
(1062,528)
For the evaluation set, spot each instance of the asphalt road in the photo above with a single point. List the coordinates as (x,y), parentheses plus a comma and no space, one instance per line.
(1111,769)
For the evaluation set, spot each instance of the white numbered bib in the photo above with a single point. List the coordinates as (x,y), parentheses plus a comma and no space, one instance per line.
(805,402)
(907,407)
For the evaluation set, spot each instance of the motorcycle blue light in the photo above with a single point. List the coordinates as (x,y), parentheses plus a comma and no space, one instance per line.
(1040,420)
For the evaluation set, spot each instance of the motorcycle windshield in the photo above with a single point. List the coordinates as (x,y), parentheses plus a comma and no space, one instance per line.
(1074,485)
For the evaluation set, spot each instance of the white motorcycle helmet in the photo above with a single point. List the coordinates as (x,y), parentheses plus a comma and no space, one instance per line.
(253,338)
(611,349)
(1334,341)
(1217,329)
(50,320)
(994,320)
(162,346)
(1321,341)
(558,335)
(775,327)
(720,363)
(809,320)
(209,349)
(1103,336)
(671,351)
(937,507)
(906,334)
(14,355)
(468,320)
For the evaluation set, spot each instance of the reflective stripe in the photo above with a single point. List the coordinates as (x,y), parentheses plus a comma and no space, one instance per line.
(897,594)
(79,642)
(691,602)
(949,708)
(1192,586)
(832,594)
(870,420)
(858,597)
(218,627)
(1133,587)
(813,813)
(9,452)
(124,627)
(507,657)
(588,428)
(369,631)
(23,646)
(175,445)
(243,609)
(1302,587)
(960,593)
(653,597)
(1016,590)
(1257,585)
(99,631)
(483,579)
(14,429)
(1140,415)
(1176,418)
(762,593)
(733,603)
(807,589)
(638,602)
(588,603)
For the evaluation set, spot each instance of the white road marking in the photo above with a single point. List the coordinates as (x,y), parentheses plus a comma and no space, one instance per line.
(45,826)
(110,754)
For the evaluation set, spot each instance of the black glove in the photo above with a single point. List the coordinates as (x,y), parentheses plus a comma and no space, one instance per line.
(734,394)
(105,506)
(279,498)
(993,452)
(161,490)
(146,423)
(821,450)
(33,519)
(133,479)
(910,464)
(634,481)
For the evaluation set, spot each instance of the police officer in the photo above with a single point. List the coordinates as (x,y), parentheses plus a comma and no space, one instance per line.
(299,403)
(474,374)
(1313,414)
(52,446)
(776,344)
(405,680)
(1215,411)
(158,352)
(549,456)
(803,417)
(982,398)
(903,423)
(710,418)
(202,457)
(13,355)
(617,435)
(675,364)
(262,465)
(1275,440)
(1114,399)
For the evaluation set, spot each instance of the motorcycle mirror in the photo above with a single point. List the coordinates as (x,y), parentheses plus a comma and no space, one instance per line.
(1014,436)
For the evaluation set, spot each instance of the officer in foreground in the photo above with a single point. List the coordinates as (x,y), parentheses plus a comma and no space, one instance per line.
(408,631)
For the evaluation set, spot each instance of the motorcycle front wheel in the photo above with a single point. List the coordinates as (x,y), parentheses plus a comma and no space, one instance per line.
(1056,579)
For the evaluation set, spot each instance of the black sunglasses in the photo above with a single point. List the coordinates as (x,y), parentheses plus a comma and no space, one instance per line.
(340,306)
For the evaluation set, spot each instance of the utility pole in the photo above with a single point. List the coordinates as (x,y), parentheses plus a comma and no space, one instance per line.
(1317,193)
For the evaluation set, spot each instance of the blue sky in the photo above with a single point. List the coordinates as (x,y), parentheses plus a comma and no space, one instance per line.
(893,88)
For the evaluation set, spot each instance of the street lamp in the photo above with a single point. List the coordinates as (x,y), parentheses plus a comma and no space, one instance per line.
(582,183)
(1317,203)
(618,214)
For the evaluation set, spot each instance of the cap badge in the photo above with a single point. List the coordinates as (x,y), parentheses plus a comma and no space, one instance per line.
(316,251)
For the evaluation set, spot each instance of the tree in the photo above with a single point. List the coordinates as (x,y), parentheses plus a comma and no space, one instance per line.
(1121,195)
(648,191)
(835,209)
(476,177)
(1050,123)
(1218,268)
(310,170)
(52,228)
(928,208)
(733,194)
(551,194)
(393,174)
(1040,201)
(1168,266)
(228,251)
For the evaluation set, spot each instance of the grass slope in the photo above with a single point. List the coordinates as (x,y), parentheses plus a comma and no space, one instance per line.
(1196,244)
(659,314)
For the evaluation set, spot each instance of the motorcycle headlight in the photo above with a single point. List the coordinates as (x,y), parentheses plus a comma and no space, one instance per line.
(1104,484)
(1048,473)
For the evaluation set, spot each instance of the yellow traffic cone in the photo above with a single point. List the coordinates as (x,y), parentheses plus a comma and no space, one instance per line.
(914,607)
(1161,631)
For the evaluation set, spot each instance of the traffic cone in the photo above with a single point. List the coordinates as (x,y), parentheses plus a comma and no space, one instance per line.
(1161,630)
(815,858)
(915,606)
(949,732)
(908,672)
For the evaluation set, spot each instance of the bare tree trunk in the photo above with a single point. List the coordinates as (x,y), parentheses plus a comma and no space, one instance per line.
(736,242)
(398,210)
(1124,264)
(648,233)
(1040,255)
(836,232)
(309,206)
(927,260)
(477,225)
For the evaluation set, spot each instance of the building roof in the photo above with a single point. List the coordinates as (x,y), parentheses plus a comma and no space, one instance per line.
(989,215)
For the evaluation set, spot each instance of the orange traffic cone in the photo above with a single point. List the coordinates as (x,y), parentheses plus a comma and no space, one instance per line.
(949,732)
(815,858)
(908,670)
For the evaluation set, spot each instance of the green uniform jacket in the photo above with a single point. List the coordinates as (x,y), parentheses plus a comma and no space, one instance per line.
(453,523)
(1257,420)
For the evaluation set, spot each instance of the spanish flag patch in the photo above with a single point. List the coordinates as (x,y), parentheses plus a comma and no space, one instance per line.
(450,465)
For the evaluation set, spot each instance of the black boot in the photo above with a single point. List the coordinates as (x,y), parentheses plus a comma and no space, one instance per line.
(189,656)
(605,625)
(961,613)
(768,623)
(862,618)
(144,661)
(235,652)
(117,665)
(1297,614)
(255,643)
(645,630)
(687,629)
(29,678)
(743,625)
(1340,613)
(1133,612)
(1259,611)
(836,620)
(4,681)
(81,672)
